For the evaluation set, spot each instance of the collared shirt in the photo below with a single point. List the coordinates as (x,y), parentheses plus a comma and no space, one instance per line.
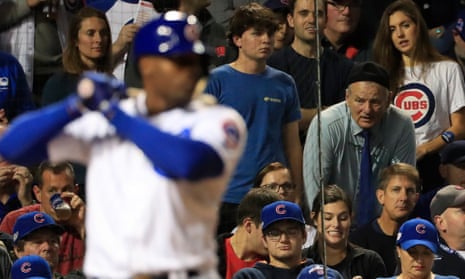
(392,141)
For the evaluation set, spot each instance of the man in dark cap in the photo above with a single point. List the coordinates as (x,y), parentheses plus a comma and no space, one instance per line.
(359,137)
(448,215)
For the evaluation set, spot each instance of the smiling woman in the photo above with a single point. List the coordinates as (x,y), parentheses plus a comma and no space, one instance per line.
(333,228)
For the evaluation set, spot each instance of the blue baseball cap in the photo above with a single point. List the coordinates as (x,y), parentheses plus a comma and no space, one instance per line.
(31,267)
(32,221)
(316,271)
(281,210)
(453,153)
(418,231)
(173,33)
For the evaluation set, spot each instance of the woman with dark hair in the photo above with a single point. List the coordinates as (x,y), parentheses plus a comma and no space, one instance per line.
(88,49)
(428,86)
(348,259)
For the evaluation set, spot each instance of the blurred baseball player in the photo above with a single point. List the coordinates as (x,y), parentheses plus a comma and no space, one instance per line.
(158,163)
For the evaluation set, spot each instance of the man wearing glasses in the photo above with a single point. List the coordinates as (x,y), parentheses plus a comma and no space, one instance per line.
(283,228)
(343,17)
(277,178)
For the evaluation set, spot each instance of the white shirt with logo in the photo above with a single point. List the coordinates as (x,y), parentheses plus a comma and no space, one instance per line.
(431,98)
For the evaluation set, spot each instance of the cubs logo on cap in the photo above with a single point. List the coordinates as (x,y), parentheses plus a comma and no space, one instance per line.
(31,267)
(316,271)
(32,221)
(281,210)
(418,232)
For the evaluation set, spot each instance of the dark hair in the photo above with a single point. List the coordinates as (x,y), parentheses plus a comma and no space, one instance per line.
(402,169)
(264,171)
(252,15)
(385,53)
(55,168)
(332,194)
(291,6)
(72,62)
(252,204)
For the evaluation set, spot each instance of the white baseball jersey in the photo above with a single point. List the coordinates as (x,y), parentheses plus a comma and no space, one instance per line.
(138,220)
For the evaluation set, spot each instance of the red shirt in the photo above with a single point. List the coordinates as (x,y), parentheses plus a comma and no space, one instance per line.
(71,255)
(234,263)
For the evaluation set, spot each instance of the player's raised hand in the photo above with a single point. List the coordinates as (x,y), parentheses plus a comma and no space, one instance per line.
(97,90)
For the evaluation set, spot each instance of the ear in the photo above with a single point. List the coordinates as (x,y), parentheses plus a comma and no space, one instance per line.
(37,192)
(237,41)
(440,223)
(347,94)
(247,223)
(290,20)
(380,196)
(18,252)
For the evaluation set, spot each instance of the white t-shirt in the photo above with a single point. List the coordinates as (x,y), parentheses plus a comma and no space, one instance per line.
(138,220)
(430,100)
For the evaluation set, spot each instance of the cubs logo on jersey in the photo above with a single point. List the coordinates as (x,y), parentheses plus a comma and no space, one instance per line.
(418,101)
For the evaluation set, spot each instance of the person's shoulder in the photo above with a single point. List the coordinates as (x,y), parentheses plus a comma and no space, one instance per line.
(221,70)
(7,58)
(249,273)
(336,112)
(438,276)
(396,114)
(21,211)
(363,252)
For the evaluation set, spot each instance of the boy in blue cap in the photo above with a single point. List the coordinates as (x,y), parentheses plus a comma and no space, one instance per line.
(284,234)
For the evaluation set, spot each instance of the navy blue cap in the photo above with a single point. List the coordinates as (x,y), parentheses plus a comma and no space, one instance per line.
(173,33)
(316,271)
(453,153)
(32,221)
(418,231)
(281,210)
(31,267)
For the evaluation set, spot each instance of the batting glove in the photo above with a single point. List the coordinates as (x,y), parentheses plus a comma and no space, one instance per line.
(97,91)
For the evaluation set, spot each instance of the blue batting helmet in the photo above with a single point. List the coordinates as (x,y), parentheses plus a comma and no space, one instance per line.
(173,33)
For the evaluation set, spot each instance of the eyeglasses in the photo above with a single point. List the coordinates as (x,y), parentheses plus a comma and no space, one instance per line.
(288,187)
(340,7)
(275,234)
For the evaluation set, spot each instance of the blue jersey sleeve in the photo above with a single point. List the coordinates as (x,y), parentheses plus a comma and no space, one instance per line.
(177,157)
(25,141)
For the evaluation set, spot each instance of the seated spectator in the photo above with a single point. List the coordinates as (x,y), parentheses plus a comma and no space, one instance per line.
(51,179)
(348,259)
(317,271)
(36,233)
(88,49)
(417,244)
(448,214)
(245,247)
(15,187)
(15,95)
(277,177)
(397,194)
(451,169)
(284,35)
(31,267)
(283,227)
